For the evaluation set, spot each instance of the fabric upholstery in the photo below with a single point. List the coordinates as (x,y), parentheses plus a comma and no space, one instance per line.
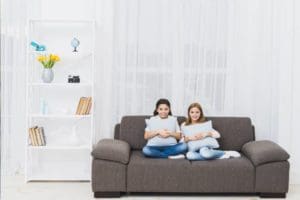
(264,151)
(272,177)
(113,150)
(234,131)
(165,175)
(108,176)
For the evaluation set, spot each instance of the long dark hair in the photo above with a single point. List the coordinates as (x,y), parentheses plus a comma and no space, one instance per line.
(162,101)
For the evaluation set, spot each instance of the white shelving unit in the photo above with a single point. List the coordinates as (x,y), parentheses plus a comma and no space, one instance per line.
(69,137)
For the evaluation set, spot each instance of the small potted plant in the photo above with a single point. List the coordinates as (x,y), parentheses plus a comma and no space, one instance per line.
(48,62)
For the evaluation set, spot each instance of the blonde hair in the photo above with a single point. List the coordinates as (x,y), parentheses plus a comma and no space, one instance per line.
(201,118)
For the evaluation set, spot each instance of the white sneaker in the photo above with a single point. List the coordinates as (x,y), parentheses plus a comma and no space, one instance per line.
(179,156)
(225,156)
(233,154)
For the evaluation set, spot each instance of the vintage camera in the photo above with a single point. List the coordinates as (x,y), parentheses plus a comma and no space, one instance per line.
(73,79)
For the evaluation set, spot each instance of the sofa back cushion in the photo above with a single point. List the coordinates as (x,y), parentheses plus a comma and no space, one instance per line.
(235,131)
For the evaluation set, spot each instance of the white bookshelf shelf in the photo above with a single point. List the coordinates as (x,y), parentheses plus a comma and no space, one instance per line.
(60,116)
(69,137)
(61,84)
(59,147)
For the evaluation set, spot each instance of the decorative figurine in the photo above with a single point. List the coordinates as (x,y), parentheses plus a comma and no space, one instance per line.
(38,47)
(75,43)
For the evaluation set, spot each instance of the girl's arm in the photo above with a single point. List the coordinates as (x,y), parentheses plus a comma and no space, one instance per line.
(213,133)
(150,134)
(190,138)
(176,135)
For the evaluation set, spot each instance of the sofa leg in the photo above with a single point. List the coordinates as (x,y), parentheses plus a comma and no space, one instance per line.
(272,195)
(106,194)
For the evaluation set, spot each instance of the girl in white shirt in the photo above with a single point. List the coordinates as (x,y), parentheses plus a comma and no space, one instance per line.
(201,143)
(162,132)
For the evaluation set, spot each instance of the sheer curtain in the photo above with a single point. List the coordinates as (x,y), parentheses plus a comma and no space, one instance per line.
(218,53)
(13,65)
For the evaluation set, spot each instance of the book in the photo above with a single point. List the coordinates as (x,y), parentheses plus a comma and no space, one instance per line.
(42,134)
(79,107)
(89,106)
(38,136)
(84,106)
(31,137)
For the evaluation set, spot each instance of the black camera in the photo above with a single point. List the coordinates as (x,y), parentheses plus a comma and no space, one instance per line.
(73,79)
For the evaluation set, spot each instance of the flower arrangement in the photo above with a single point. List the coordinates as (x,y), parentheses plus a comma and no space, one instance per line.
(48,61)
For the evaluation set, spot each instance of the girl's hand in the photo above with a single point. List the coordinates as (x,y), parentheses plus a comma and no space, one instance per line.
(191,138)
(200,136)
(186,138)
(164,133)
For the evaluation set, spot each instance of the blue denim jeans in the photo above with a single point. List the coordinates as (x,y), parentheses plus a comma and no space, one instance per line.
(204,153)
(164,151)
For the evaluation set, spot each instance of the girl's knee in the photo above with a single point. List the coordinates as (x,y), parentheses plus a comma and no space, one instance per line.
(183,147)
(205,152)
(146,151)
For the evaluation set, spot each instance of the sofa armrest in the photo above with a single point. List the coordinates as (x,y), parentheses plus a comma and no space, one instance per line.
(264,151)
(113,150)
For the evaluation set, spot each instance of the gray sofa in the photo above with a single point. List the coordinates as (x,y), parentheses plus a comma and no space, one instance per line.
(119,166)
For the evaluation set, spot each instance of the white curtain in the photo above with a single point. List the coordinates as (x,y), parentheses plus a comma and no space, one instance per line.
(218,53)
(13,88)
(237,58)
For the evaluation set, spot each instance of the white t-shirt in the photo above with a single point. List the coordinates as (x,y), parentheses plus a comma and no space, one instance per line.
(156,123)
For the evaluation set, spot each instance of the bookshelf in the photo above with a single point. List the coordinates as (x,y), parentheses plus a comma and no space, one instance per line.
(68,136)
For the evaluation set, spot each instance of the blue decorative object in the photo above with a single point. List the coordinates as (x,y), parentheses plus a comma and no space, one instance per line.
(38,47)
(75,43)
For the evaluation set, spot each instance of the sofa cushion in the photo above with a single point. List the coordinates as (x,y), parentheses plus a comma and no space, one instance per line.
(132,129)
(112,150)
(161,175)
(234,131)
(264,151)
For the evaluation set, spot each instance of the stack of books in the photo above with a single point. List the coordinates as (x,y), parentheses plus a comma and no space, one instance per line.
(84,106)
(37,136)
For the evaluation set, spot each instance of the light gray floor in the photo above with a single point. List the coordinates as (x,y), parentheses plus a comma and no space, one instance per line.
(16,189)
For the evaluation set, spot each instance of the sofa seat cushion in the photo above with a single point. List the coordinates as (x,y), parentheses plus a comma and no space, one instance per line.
(165,175)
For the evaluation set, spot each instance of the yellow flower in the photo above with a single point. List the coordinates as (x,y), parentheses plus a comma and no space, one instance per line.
(42,58)
(54,58)
(48,60)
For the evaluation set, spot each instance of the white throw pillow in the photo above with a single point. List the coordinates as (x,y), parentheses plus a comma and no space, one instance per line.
(193,129)
(156,123)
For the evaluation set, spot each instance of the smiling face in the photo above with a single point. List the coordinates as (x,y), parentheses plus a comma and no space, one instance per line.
(163,110)
(194,114)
